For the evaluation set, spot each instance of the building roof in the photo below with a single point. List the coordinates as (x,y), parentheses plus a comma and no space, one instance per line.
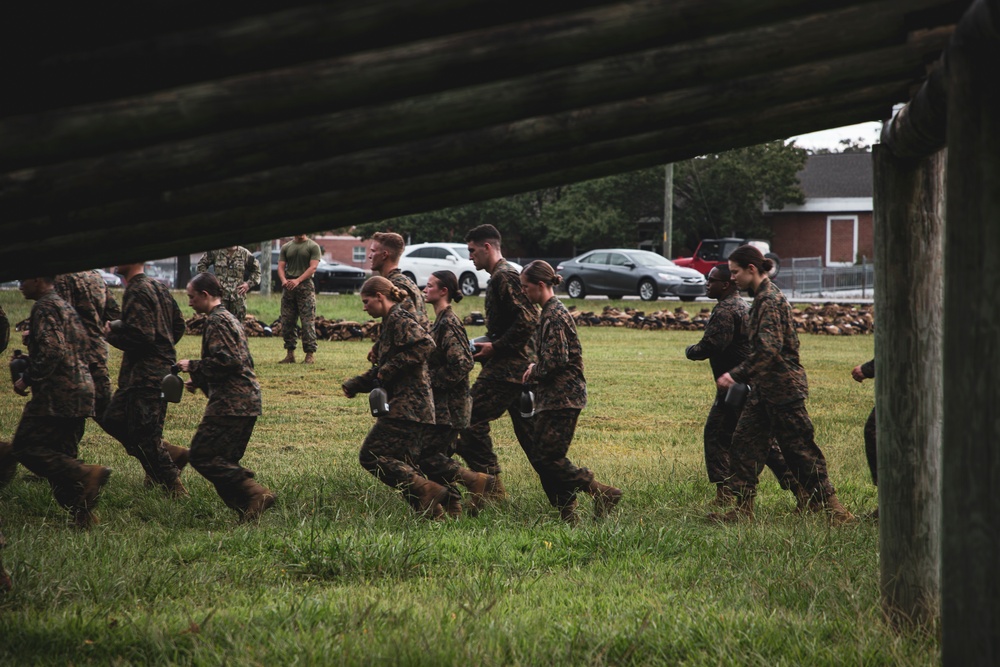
(837,175)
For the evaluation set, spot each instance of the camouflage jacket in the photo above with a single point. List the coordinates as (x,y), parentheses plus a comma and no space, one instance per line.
(725,342)
(510,322)
(89,296)
(415,301)
(151,324)
(773,367)
(558,373)
(868,369)
(4,330)
(402,351)
(61,385)
(232,270)
(225,370)
(449,366)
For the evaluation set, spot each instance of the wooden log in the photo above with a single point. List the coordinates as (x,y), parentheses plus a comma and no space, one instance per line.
(970,520)
(92,62)
(909,234)
(619,37)
(152,171)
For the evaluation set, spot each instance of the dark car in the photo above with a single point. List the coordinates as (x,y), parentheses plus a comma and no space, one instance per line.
(330,276)
(620,271)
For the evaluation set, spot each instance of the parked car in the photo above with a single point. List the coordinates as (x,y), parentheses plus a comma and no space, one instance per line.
(710,253)
(330,276)
(419,261)
(110,279)
(620,271)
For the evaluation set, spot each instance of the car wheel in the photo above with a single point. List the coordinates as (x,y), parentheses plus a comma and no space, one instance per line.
(777,264)
(468,284)
(411,277)
(575,289)
(615,296)
(687,298)
(647,290)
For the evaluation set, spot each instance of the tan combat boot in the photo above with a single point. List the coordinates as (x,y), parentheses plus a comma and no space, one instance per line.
(179,455)
(176,489)
(742,512)
(723,496)
(479,485)
(289,358)
(92,480)
(568,513)
(497,492)
(310,359)
(837,513)
(453,508)
(427,496)
(605,497)
(258,499)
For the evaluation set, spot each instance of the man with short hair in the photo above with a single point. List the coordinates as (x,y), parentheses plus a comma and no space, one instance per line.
(384,254)
(150,325)
(726,344)
(62,397)
(238,271)
(297,263)
(510,323)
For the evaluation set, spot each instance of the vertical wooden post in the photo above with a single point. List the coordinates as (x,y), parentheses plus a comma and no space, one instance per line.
(970,555)
(183,271)
(909,260)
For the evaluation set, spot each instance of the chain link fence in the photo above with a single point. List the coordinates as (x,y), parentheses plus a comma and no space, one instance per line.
(806,276)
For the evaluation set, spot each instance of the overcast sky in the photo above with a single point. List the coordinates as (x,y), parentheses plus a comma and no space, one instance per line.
(867,132)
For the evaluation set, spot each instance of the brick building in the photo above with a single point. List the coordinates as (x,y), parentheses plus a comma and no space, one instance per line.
(835,222)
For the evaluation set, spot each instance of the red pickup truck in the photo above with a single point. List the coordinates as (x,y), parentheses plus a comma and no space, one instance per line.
(712,252)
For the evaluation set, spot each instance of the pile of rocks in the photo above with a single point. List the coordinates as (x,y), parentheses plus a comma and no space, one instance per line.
(325,329)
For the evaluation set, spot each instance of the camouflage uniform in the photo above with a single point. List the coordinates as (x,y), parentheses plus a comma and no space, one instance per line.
(151,324)
(510,322)
(62,397)
(414,301)
(87,292)
(871,432)
(225,373)
(392,447)
(776,407)
(299,303)
(449,365)
(560,395)
(232,270)
(726,344)
(4,330)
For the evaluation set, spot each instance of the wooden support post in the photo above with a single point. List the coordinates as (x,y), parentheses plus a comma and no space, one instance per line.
(970,545)
(909,213)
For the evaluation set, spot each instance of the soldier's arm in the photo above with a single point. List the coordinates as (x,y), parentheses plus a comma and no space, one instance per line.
(522,311)
(868,369)
(360,383)
(222,355)
(49,345)
(412,347)
(178,326)
(458,360)
(206,261)
(765,349)
(553,355)
(251,275)
(112,311)
(717,337)
(138,331)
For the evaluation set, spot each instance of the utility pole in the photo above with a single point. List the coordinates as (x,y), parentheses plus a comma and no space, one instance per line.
(668,210)
(265,268)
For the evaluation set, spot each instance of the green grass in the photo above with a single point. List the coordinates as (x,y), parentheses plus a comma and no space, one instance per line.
(339,572)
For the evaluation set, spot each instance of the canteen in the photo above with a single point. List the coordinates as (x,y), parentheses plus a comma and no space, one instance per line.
(172,386)
(736,396)
(527,403)
(378,401)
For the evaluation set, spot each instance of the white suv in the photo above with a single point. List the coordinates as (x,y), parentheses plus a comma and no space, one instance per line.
(419,261)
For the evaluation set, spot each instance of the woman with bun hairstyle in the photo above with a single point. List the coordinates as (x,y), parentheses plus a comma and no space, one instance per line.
(560,395)
(776,406)
(391,449)
(449,367)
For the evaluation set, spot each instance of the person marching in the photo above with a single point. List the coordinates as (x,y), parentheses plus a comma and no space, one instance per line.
(47,439)
(449,366)
(776,406)
(860,373)
(510,322)
(151,324)
(392,447)
(560,395)
(384,254)
(225,373)
(726,344)
(297,262)
(238,272)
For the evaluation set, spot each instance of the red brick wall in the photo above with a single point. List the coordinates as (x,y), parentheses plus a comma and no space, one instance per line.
(804,235)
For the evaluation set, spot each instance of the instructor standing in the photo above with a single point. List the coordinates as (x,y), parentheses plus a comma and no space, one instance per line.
(297,263)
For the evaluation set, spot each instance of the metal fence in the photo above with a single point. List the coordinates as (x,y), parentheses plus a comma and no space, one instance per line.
(806,276)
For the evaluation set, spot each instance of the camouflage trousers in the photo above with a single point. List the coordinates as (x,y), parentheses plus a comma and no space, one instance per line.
(560,479)
(391,450)
(436,448)
(490,399)
(237,305)
(871,446)
(135,418)
(216,450)
(791,427)
(299,304)
(719,429)
(48,447)
(102,390)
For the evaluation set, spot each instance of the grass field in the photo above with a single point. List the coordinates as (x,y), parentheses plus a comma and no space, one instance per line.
(339,572)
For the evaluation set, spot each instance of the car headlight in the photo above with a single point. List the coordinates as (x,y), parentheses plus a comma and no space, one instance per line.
(668,278)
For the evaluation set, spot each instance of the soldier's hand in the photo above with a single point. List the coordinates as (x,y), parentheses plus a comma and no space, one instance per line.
(527,373)
(184,365)
(243,289)
(189,385)
(725,381)
(347,392)
(20,388)
(483,351)
(858,374)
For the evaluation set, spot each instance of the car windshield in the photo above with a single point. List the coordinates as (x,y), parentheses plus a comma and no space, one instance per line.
(646,258)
